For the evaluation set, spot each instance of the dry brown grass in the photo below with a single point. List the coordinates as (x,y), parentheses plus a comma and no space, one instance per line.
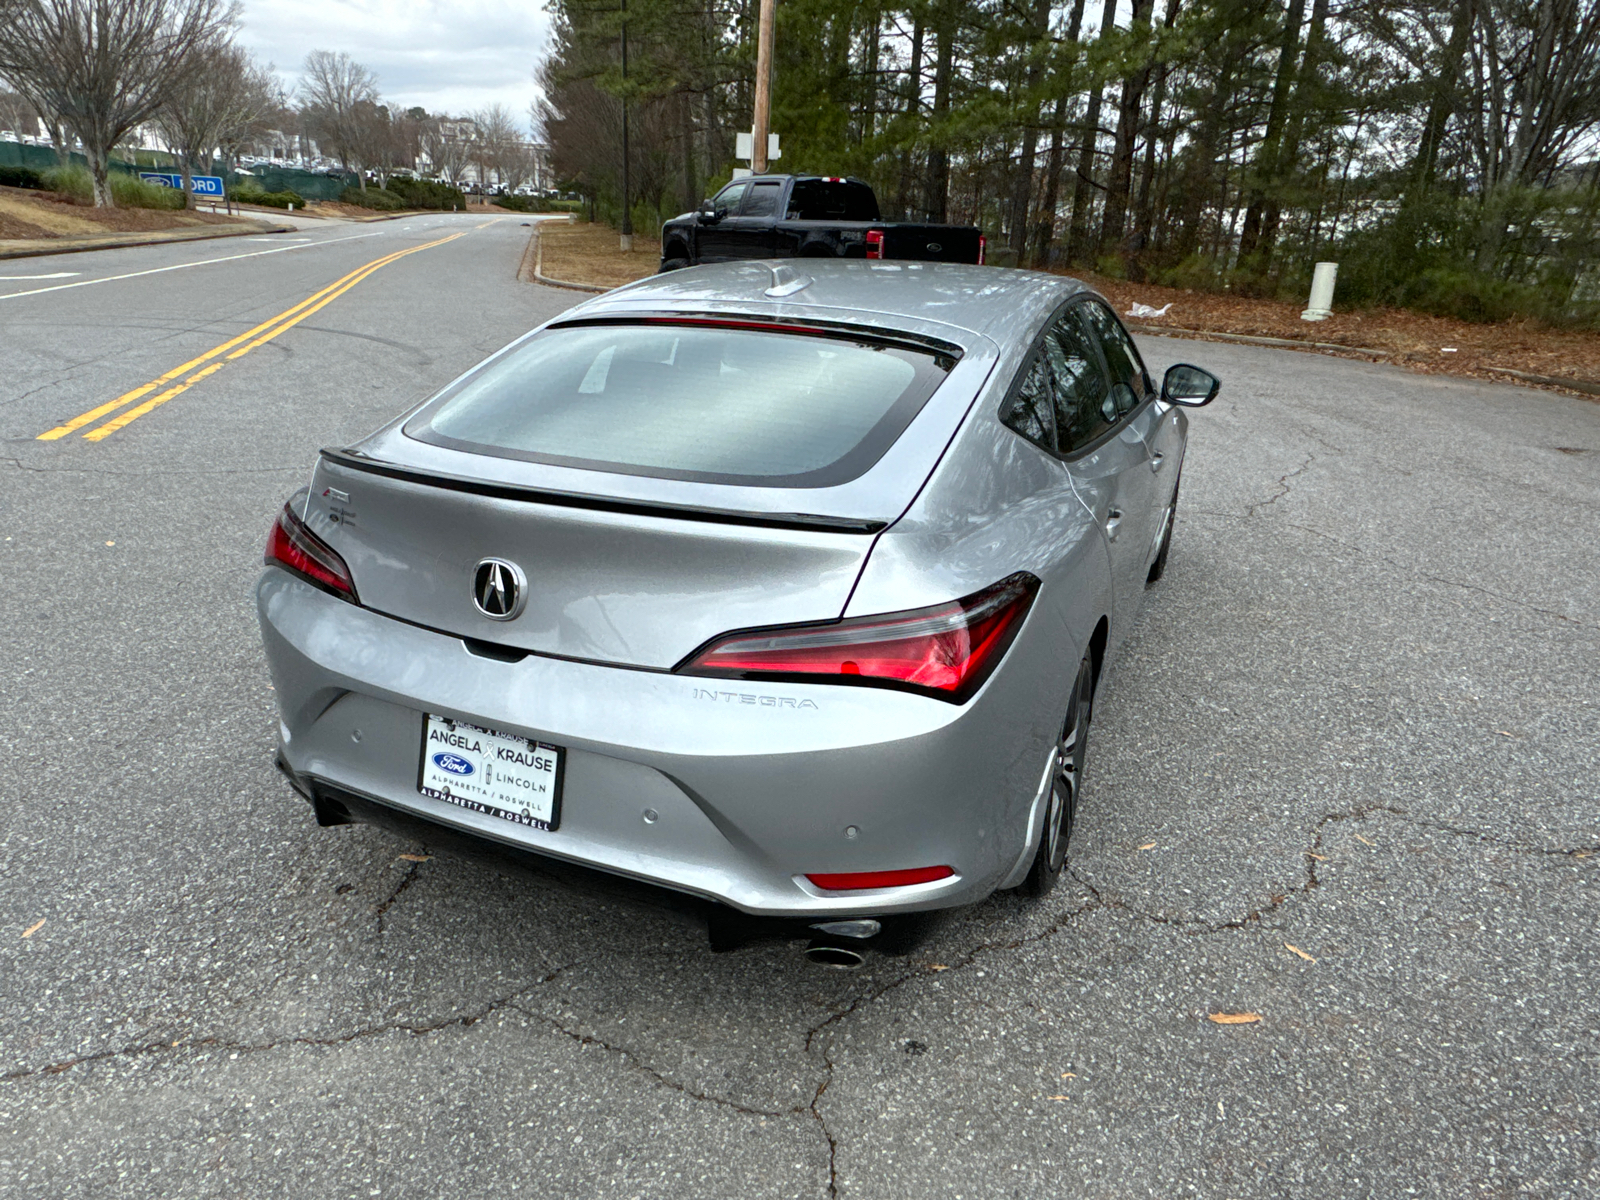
(31,215)
(585,253)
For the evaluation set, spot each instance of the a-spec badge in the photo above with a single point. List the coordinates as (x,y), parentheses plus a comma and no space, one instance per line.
(499,589)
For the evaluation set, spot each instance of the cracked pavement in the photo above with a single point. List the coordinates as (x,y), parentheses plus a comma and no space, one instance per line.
(1343,778)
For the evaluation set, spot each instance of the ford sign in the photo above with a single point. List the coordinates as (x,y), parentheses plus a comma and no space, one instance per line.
(453,763)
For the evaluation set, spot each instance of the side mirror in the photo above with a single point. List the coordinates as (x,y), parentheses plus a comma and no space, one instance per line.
(709,214)
(1191,386)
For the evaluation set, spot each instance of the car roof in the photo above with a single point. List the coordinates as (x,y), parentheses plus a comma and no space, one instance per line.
(997,303)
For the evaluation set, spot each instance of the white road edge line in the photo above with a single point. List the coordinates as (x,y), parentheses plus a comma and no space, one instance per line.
(52,275)
(206,262)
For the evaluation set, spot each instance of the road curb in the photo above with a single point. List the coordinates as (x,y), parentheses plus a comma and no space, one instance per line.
(533,258)
(1586,386)
(1254,340)
(116,243)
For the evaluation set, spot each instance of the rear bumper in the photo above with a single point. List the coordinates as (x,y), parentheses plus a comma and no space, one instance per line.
(752,786)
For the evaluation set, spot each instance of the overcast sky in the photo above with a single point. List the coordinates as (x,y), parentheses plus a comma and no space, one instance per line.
(446,55)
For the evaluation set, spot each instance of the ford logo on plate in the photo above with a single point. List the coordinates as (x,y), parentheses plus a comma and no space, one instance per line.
(453,763)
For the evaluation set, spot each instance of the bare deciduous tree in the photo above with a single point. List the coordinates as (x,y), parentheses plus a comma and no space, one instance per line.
(447,146)
(105,66)
(219,101)
(338,95)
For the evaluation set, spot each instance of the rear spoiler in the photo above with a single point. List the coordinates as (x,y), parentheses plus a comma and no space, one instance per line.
(355,460)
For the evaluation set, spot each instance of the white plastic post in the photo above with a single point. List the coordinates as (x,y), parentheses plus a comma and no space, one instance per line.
(1321,305)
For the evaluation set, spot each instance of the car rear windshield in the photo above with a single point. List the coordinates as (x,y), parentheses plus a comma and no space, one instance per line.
(832,200)
(710,402)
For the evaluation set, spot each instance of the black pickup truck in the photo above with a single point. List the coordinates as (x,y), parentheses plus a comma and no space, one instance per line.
(806,216)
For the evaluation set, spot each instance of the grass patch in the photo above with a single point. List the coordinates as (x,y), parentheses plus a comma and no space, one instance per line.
(126,190)
(586,253)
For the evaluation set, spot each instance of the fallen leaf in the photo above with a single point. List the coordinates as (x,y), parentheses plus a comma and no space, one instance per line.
(1221,1112)
(174,1045)
(1299,951)
(416,857)
(1505,733)
(1234,1018)
(1318,857)
(1581,853)
(1365,841)
(1148,846)
(111,543)
(1059,1097)
(1068,1075)
(937,967)
(34,928)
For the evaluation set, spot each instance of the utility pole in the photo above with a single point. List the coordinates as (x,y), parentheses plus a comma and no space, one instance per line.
(758,148)
(627,208)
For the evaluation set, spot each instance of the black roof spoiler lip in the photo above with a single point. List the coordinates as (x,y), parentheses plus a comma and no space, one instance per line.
(358,461)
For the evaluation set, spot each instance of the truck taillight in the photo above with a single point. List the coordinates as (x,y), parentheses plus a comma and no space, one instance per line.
(875,243)
(295,548)
(983,248)
(947,651)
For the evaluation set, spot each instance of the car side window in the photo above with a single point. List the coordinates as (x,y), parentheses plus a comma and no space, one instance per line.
(761,200)
(1122,359)
(729,198)
(1029,410)
(1084,405)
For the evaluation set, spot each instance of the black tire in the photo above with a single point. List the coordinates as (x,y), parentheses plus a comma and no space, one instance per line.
(672,264)
(1066,779)
(1159,567)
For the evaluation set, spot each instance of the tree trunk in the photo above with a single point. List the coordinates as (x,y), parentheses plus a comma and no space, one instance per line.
(1267,168)
(1052,188)
(938,198)
(1120,180)
(1022,177)
(691,179)
(1304,96)
(1143,210)
(100,172)
(869,123)
(1078,231)
(913,108)
(188,178)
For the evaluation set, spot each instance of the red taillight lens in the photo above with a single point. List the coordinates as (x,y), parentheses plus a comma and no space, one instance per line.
(874,243)
(854,881)
(291,545)
(945,651)
(983,248)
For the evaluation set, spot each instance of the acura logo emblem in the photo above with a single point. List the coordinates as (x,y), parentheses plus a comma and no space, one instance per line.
(499,589)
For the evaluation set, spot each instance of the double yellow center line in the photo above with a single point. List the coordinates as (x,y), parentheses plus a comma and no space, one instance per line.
(233,348)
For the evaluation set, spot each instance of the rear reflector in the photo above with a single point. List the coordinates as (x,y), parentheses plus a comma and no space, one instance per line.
(947,650)
(874,243)
(295,548)
(855,881)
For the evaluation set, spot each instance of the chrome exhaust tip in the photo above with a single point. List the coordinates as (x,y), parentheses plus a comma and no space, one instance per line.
(835,957)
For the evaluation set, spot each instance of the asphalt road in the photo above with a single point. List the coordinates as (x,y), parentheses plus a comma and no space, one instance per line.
(1344,778)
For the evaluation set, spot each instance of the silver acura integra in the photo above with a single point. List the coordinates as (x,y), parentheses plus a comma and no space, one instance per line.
(786,591)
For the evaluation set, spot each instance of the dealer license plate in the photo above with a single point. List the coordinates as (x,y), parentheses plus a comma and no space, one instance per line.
(500,774)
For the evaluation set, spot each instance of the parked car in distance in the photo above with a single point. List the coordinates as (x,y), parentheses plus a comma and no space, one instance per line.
(806,216)
(828,658)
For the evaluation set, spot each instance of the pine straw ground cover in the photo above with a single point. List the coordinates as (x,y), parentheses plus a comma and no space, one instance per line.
(585,253)
(30,215)
(1437,345)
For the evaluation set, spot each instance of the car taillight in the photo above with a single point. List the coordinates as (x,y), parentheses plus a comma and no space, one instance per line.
(852,881)
(294,547)
(947,650)
(874,243)
(983,248)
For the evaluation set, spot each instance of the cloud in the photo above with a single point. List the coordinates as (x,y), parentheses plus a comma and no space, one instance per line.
(446,55)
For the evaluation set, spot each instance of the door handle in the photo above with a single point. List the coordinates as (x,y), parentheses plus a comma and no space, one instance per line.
(1113,523)
(1156,459)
